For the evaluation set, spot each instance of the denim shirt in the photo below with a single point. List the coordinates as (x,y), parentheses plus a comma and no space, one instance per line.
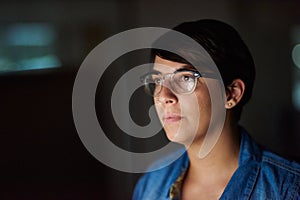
(260,175)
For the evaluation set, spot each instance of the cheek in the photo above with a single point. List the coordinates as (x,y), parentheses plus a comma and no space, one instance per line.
(197,109)
(159,109)
(190,105)
(203,97)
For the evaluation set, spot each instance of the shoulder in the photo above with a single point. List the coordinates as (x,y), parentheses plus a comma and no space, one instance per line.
(251,151)
(279,176)
(156,184)
(271,176)
(274,161)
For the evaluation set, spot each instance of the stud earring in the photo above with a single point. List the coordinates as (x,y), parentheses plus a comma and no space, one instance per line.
(229,104)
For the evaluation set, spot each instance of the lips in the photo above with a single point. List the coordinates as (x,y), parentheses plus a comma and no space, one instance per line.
(171,118)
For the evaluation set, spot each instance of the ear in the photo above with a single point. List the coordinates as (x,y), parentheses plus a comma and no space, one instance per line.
(234,93)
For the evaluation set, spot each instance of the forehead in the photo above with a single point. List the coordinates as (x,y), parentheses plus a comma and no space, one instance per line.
(167,66)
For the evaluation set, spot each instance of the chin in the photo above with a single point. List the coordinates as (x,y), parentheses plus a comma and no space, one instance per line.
(171,134)
(179,137)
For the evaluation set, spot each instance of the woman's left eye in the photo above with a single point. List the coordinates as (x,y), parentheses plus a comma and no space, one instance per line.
(186,78)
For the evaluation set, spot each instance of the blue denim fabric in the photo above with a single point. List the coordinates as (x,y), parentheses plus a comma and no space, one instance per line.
(260,175)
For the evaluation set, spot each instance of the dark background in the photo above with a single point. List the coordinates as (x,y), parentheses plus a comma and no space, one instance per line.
(42,156)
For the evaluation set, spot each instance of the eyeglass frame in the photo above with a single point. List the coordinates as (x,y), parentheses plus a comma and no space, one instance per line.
(196,75)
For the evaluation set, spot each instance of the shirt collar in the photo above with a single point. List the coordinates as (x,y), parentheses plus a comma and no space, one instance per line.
(249,152)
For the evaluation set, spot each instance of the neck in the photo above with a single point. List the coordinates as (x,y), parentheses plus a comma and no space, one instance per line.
(219,165)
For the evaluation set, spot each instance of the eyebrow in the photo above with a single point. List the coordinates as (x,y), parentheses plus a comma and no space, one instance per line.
(182,68)
(187,66)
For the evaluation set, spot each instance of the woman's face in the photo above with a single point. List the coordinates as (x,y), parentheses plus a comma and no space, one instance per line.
(184,116)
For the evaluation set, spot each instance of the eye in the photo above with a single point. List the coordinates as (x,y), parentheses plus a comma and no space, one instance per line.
(156,79)
(152,79)
(186,77)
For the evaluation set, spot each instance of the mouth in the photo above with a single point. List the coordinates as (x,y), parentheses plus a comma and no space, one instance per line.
(171,118)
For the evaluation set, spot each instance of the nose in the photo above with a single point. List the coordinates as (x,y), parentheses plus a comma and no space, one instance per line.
(166,96)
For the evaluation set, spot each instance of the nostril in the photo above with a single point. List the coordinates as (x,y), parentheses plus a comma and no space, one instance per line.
(169,101)
(166,96)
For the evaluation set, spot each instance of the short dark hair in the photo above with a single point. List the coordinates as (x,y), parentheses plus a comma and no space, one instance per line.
(225,46)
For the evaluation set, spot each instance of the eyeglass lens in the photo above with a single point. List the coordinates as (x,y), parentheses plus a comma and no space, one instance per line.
(181,82)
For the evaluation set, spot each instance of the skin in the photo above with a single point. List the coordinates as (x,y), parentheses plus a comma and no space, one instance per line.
(205,178)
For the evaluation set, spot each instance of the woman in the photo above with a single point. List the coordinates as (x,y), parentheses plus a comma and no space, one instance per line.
(236,167)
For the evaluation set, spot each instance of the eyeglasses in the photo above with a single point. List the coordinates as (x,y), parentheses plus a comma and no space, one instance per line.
(182,81)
